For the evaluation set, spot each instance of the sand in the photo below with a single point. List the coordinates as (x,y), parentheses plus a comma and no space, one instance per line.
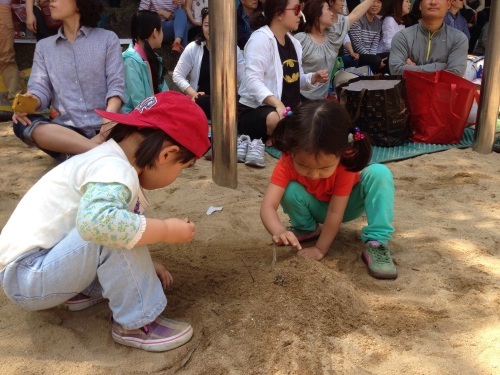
(441,316)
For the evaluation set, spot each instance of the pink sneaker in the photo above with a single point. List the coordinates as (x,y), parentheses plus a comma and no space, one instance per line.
(161,335)
(305,235)
(81,301)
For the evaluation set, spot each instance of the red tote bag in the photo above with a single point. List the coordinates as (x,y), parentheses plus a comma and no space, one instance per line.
(440,104)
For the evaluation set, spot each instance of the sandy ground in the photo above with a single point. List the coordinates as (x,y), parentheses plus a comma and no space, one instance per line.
(441,316)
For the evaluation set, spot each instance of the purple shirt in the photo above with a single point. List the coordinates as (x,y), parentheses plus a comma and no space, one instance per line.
(458,22)
(80,77)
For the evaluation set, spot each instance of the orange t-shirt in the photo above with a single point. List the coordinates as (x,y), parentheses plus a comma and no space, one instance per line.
(340,183)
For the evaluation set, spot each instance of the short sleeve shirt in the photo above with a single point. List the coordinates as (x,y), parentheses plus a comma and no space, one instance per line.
(322,56)
(290,95)
(340,183)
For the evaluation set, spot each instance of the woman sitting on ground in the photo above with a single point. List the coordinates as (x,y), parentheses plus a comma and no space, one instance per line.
(194,64)
(325,30)
(273,71)
(76,71)
(365,36)
(393,23)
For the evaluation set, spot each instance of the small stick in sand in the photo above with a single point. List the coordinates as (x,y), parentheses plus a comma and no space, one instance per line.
(273,263)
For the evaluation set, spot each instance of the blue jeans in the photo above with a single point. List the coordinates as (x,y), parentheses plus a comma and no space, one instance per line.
(176,28)
(374,194)
(372,60)
(44,278)
(25,133)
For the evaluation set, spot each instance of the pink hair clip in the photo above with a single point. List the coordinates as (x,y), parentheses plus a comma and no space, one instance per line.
(287,112)
(357,135)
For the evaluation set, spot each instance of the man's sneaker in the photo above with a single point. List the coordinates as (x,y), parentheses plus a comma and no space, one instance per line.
(81,301)
(161,335)
(304,235)
(379,262)
(242,147)
(256,154)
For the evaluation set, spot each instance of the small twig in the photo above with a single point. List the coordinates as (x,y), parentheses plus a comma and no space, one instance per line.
(188,356)
(273,263)
(248,269)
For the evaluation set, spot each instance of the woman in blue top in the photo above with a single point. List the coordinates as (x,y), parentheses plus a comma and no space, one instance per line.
(143,67)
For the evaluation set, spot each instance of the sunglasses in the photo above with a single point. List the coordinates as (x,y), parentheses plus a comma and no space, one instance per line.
(297,8)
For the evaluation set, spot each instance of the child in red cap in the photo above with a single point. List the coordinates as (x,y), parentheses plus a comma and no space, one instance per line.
(78,236)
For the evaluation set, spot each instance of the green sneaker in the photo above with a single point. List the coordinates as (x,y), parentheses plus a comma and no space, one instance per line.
(379,262)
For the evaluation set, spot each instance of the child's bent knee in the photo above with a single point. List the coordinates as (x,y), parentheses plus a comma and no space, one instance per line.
(379,170)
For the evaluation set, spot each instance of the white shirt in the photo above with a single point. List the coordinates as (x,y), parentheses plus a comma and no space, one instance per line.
(189,65)
(263,70)
(389,28)
(47,213)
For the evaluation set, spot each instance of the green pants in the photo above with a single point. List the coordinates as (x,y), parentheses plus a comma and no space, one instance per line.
(374,194)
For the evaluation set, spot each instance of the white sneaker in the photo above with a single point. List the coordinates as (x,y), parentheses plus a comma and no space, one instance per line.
(256,154)
(81,302)
(242,147)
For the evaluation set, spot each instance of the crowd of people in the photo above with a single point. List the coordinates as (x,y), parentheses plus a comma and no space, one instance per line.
(118,129)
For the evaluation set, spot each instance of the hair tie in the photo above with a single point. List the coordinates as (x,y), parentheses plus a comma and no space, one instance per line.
(357,135)
(287,112)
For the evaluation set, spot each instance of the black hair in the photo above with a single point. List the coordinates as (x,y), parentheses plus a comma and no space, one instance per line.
(142,25)
(395,10)
(313,9)
(201,37)
(322,127)
(151,145)
(90,12)
(271,9)
(415,14)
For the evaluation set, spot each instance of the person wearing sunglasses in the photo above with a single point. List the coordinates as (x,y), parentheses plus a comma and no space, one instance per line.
(273,71)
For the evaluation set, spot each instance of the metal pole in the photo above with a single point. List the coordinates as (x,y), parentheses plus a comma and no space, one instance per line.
(490,87)
(222,18)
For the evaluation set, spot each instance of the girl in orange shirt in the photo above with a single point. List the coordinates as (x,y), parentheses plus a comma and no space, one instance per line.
(318,181)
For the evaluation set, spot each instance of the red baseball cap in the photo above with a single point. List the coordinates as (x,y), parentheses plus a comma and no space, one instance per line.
(174,113)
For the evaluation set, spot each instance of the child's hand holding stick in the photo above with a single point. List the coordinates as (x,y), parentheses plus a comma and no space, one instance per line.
(287,238)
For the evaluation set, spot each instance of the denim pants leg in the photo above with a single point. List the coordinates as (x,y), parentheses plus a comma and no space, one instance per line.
(176,28)
(181,26)
(349,62)
(168,30)
(374,194)
(45,278)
